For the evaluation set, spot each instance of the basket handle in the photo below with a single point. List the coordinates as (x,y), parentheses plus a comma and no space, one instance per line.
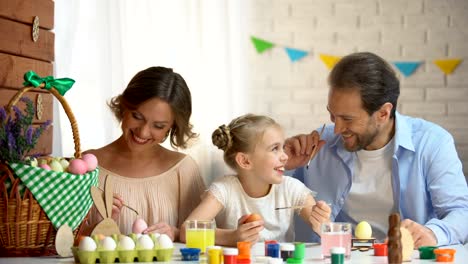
(66,107)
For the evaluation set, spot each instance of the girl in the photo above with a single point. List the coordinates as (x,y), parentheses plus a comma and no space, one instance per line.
(253,147)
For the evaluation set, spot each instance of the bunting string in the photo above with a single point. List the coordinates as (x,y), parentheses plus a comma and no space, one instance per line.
(407,68)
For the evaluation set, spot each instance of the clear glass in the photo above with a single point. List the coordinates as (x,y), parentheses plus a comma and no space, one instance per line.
(200,234)
(336,234)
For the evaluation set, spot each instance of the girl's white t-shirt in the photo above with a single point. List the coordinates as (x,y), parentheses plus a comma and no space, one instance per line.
(279,224)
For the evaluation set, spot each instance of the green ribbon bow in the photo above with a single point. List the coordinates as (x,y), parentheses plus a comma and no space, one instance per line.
(61,85)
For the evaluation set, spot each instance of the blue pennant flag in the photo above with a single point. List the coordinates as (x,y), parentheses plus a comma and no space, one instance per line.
(408,67)
(295,54)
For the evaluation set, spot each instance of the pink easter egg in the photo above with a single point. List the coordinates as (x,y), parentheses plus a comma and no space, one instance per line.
(139,226)
(45,167)
(77,166)
(90,160)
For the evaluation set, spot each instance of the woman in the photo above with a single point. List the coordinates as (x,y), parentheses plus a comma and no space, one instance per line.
(162,185)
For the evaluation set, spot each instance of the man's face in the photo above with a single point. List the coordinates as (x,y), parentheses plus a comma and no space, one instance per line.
(357,128)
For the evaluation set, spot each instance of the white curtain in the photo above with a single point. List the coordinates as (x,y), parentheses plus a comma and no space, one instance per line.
(102,44)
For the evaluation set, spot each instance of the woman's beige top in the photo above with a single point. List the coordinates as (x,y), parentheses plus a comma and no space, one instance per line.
(168,197)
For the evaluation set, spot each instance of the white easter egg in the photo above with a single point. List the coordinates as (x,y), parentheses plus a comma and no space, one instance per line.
(108,243)
(87,244)
(145,242)
(126,243)
(164,241)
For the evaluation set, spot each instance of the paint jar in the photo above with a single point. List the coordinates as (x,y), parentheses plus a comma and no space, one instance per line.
(444,254)
(243,261)
(299,250)
(337,255)
(261,259)
(215,254)
(427,252)
(244,249)
(294,261)
(230,255)
(380,249)
(275,261)
(267,242)
(273,250)
(190,254)
(287,251)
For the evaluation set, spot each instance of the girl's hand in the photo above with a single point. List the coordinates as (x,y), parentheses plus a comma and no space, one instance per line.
(320,214)
(117,206)
(248,231)
(163,228)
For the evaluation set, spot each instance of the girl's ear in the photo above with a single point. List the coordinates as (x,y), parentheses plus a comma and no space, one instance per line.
(243,160)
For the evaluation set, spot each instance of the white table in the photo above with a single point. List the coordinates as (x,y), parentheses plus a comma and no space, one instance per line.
(312,256)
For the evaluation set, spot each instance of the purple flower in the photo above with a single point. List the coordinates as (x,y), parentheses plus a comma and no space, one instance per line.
(3,114)
(29,133)
(11,142)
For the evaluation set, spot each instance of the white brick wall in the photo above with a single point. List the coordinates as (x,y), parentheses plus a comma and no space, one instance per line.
(423,30)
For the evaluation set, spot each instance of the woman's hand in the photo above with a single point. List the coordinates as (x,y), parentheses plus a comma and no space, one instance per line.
(320,214)
(299,149)
(163,228)
(117,206)
(248,231)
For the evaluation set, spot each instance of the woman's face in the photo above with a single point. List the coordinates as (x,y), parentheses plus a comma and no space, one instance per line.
(147,125)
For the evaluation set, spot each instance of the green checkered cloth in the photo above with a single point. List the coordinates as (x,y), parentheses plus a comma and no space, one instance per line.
(64,197)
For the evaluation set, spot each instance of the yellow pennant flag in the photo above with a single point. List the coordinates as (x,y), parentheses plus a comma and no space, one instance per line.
(447,66)
(329,60)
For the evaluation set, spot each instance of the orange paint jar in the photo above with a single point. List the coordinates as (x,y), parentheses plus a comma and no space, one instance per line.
(444,254)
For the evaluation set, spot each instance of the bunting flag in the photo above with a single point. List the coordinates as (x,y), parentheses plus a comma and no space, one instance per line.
(261,45)
(447,66)
(295,54)
(407,67)
(329,60)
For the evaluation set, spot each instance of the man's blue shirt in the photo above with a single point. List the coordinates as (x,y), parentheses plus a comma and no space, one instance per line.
(429,186)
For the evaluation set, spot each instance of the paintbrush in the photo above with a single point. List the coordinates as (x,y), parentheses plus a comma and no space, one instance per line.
(131,208)
(315,148)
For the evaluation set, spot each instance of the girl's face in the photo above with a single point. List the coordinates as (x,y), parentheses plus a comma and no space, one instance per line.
(268,159)
(147,125)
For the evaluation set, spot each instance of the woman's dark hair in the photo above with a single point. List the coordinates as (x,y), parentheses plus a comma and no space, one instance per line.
(166,85)
(371,75)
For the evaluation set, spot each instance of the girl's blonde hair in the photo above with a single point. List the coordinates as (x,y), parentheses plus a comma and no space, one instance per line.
(241,135)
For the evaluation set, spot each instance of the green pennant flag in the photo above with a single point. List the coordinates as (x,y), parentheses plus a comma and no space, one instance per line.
(261,45)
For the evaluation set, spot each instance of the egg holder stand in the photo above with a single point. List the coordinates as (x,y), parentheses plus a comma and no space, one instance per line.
(123,256)
(362,244)
(25,229)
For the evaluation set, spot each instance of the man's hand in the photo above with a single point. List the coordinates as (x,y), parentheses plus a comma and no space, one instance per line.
(422,235)
(299,149)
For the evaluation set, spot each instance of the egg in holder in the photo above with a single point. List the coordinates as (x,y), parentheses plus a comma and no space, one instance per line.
(134,248)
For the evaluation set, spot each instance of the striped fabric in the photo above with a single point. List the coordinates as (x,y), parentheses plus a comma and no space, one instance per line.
(64,197)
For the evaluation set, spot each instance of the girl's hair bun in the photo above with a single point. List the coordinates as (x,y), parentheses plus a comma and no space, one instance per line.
(221,138)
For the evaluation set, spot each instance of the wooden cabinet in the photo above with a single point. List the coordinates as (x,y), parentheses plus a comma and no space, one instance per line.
(19,53)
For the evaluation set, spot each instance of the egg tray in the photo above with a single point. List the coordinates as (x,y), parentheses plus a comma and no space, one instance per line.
(123,256)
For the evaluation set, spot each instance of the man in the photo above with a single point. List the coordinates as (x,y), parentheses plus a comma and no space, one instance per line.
(374,161)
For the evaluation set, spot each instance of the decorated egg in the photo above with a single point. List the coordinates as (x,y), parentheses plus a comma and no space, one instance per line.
(45,167)
(363,230)
(164,241)
(87,244)
(145,242)
(91,161)
(139,226)
(108,243)
(77,166)
(126,243)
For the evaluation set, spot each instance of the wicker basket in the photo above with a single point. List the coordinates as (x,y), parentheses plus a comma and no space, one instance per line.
(25,229)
